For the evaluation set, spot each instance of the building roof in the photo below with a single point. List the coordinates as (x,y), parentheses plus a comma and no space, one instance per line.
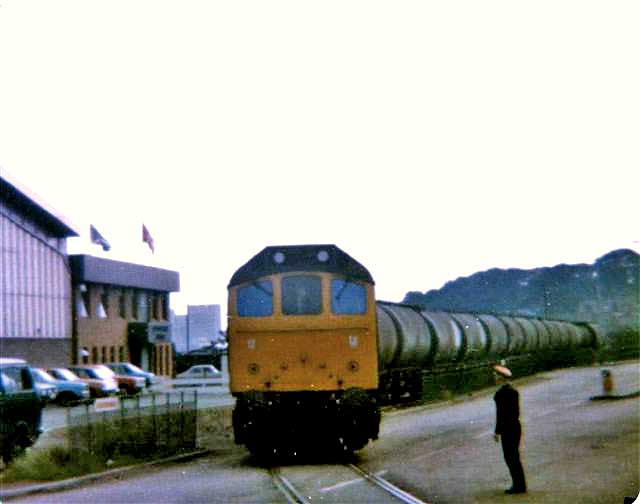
(286,258)
(90,269)
(36,208)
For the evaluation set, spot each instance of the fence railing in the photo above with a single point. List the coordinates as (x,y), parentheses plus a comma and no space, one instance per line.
(165,424)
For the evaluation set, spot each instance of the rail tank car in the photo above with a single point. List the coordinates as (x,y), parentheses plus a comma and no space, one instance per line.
(313,355)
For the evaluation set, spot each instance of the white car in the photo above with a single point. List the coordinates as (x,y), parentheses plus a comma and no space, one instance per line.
(200,371)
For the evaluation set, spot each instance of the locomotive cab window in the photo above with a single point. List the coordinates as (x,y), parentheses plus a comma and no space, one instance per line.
(348,298)
(255,300)
(301,295)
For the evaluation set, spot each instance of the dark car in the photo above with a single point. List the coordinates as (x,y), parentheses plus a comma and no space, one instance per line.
(67,391)
(128,369)
(20,407)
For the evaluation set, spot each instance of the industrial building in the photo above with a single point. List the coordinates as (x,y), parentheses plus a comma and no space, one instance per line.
(58,309)
(199,328)
(35,291)
(121,313)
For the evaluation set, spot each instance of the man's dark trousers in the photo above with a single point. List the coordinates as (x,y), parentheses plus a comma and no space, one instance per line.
(511,450)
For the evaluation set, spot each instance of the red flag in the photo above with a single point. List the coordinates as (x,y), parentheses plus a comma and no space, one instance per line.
(146,237)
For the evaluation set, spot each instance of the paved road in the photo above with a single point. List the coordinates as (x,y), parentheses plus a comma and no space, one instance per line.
(575,450)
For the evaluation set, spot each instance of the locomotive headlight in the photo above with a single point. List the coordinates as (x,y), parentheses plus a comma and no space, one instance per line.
(323,256)
(278,258)
(353,366)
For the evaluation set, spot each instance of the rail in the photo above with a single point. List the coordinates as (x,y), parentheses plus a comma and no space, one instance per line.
(294,496)
(286,487)
(388,487)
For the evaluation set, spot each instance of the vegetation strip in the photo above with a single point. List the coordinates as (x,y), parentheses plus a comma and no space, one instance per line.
(56,486)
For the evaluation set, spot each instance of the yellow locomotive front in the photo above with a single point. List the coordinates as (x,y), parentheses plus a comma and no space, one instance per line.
(303,356)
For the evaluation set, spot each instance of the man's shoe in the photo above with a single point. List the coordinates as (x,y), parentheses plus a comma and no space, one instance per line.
(513,490)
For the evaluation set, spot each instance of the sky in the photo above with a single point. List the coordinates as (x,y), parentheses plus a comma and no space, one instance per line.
(429,140)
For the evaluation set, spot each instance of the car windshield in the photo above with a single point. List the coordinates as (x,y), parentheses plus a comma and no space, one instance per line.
(103,372)
(65,374)
(42,376)
(133,367)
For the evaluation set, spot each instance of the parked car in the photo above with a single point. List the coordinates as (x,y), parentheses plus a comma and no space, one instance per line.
(200,371)
(67,391)
(128,369)
(20,408)
(101,383)
(128,385)
(46,390)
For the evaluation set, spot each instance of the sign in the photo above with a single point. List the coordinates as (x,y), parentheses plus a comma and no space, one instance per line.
(106,404)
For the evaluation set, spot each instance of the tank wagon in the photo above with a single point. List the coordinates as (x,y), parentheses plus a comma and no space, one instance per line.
(313,355)
(413,342)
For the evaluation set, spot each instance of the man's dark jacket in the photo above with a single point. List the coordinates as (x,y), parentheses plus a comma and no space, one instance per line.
(507,411)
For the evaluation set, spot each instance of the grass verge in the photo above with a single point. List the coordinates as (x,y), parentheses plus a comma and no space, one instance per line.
(57,463)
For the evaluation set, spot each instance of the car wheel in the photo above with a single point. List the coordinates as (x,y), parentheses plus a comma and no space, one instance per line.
(66,399)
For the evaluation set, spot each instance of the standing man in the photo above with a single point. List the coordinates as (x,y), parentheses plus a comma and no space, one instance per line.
(508,429)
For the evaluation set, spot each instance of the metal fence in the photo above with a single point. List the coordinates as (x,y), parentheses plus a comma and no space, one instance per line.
(157,424)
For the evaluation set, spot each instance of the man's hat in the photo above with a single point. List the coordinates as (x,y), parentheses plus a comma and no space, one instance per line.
(501,370)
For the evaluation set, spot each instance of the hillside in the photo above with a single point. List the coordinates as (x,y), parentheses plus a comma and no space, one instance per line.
(606,292)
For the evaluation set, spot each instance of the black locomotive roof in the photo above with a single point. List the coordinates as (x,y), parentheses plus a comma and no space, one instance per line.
(281,259)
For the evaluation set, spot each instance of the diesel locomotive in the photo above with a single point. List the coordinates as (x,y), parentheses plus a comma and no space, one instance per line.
(312,354)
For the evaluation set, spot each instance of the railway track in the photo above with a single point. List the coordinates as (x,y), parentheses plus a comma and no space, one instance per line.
(385,491)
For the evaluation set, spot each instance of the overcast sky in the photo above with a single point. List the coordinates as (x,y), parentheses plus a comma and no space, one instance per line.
(429,140)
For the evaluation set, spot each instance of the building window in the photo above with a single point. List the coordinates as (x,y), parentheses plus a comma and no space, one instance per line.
(102,309)
(104,354)
(122,309)
(82,302)
(112,356)
(120,354)
(164,307)
(142,306)
(134,305)
(155,311)
(94,355)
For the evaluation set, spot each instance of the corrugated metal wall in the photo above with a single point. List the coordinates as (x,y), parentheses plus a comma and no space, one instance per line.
(35,280)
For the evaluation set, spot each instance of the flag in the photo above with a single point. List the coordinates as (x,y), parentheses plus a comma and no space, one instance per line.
(146,237)
(98,239)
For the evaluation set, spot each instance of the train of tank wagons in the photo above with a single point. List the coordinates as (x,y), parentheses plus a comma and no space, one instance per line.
(312,354)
